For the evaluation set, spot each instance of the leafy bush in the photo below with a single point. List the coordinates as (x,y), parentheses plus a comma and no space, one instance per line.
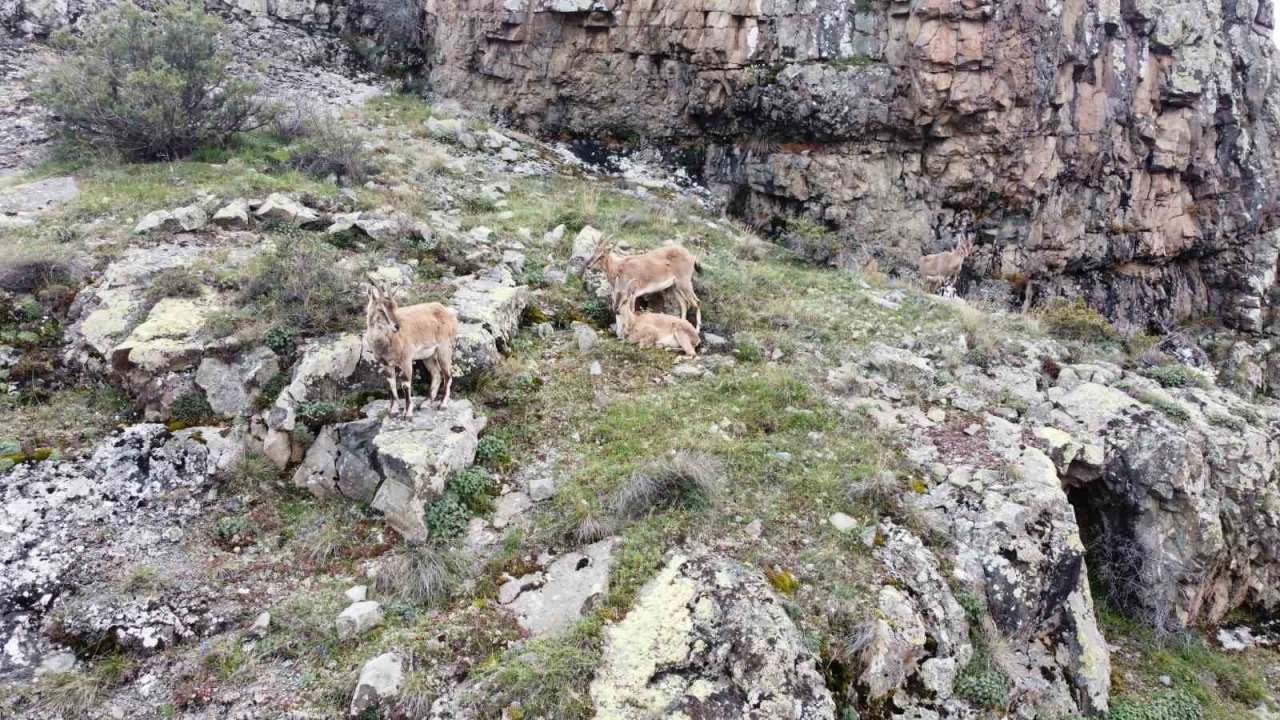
(1073,320)
(446,517)
(178,282)
(1173,375)
(474,488)
(325,411)
(330,148)
(811,240)
(492,451)
(280,339)
(299,284)
(232,531)
(597,312)
(191,409)
(149,85)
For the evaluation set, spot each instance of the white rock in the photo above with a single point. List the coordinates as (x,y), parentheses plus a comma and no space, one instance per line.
(359,618)
(842,522)
(380,680)
(357,593)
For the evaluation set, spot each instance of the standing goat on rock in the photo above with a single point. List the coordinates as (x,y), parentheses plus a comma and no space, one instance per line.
(397,336)
(648,329)
(654,271)
(944,268)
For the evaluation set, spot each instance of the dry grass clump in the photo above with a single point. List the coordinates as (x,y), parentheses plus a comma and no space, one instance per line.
(689,478)
(423,574)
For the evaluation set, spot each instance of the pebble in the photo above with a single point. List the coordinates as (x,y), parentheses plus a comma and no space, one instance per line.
(596,368)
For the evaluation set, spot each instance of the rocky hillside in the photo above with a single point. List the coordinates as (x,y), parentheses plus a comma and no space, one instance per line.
(860,500)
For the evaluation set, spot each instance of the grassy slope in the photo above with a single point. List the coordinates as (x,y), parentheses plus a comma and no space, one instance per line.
(789,453)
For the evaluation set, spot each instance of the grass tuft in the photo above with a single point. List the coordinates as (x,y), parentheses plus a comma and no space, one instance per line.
(689,479)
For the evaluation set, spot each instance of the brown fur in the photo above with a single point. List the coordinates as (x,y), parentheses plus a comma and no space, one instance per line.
(397,336)
(648,329)
(942,268)
(654,271)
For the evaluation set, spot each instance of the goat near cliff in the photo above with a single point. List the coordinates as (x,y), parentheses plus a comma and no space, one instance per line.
(944,268)
(648,329)
(398,336)
(654,271)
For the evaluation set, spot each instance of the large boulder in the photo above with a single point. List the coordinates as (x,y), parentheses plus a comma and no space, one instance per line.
(549,600)
(708,638)
(67,525)
(489,307)
(397,465)
(231,385)
(380,680)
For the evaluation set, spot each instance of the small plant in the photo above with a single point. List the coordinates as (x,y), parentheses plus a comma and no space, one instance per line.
(491,450)
(330,148)
(811,240)
(149,85)
(281,340)
(232,531)
(474,488)
(270,391)
(1073,320)
(1173,375)
(596,312)
(974,606)
(572,220)
(688,479)
(253,469)
(422,575)
(72,694)
(141,579)
(299,283)
(985,687)
(1172,408)
(782,580)
(325,411)
(446,517)
(189,410)
(178,282)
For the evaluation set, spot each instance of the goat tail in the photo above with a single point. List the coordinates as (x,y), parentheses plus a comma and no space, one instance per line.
(697,267)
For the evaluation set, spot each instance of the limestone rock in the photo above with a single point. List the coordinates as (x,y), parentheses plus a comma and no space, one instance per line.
(563,589)
(707,629)
(359,618)
(284,209)
(380,680)
(234,214)
(231,387)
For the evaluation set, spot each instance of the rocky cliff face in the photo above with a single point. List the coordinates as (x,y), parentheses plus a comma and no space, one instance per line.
(1116,151)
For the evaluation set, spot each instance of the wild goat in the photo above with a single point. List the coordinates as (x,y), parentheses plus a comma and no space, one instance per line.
(944,268)
(397,336)
(654,271)
(648,329)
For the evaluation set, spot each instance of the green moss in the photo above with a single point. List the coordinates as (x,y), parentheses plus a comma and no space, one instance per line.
(1171,408)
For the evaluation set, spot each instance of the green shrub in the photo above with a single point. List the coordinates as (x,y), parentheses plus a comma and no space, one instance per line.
(597,312)
(446,517)
(1173,375)
(330,148)
(178,282)
(270,391)
(1175,705)
(280,339)
(474,488)
(572,220)
(811,240)
(1073,320)
(492,450)
(318,413)
(1171,408)
(298,283)
(191,409)
(149,85)
(983,685)
(232,531)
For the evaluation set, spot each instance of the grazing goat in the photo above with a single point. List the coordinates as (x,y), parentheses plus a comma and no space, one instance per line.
(397,336)
(648,329)
(944,268)
(654,271)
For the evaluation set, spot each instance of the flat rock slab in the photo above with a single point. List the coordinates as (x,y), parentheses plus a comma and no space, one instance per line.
(564,587)
(38,196)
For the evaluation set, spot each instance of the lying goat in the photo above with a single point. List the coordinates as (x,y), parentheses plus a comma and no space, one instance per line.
(648,329)
(944,268)
(397,336)
(654,271)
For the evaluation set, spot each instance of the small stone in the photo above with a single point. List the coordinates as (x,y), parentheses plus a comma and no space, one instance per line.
(585,335)
(973,429)
(937,415)
(358,593)
(1166,681)
(480,234)
(59,662)
(554,235)
(686,371)
(842,522)
(260,625)
(542,487)
(360,618)
(380,680)
(544,330)
(234,214)
(711,341)
(596,369)
(754,528)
